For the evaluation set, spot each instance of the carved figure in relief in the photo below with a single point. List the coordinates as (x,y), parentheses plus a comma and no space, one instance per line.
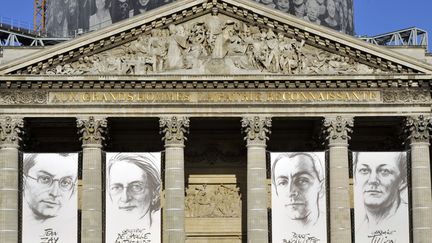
(213,44)
(176,47)
(213,201)
(272,59)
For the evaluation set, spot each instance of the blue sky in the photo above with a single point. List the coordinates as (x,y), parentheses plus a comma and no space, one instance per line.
(372,17)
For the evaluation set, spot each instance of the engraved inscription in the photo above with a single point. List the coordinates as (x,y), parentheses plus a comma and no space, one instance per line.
(213,97)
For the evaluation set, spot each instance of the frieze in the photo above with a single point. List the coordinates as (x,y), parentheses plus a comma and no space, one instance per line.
(297,96)
(213,45)
(405,96)
(17,97)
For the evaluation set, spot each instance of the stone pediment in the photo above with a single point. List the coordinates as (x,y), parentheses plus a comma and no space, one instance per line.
(215,37)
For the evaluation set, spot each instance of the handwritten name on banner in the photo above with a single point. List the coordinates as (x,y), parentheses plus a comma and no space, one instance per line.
(134,236)
(301,238)
(49,236)
(226,97)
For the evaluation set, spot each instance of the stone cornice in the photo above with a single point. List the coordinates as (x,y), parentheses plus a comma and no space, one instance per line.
(181,11)
(213,81)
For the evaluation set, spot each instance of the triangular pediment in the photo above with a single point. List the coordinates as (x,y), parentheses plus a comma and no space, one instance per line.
(225,37)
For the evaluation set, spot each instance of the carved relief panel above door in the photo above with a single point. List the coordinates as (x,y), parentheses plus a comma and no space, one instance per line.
(213,208)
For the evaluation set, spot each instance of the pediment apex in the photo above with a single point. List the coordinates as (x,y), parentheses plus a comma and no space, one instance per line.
(247,11)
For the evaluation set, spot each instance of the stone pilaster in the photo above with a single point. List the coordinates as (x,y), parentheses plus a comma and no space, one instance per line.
(256,129)
(337,131)
(10,129)
(174,130)
(91,130)
(418,136)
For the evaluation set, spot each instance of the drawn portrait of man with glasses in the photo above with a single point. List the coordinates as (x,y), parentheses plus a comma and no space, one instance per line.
(133,194)
(49,196)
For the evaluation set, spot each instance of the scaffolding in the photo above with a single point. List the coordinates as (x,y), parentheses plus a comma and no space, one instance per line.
(18,33)
(407,37)
(39,16)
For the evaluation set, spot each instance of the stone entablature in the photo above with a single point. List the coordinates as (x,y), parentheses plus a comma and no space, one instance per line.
(187,97)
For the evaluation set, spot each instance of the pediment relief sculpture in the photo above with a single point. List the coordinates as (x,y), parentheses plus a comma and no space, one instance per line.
(213,45)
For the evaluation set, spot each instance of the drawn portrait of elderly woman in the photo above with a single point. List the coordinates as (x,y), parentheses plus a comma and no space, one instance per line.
(133,195)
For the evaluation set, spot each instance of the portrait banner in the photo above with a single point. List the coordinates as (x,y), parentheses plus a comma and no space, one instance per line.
(381,197)
(132,199)
(299,212)
(49,199)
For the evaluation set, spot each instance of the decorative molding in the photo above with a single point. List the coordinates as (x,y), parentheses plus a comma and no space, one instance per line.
(92,130)
(406,96)
(256,128)
(10,130)
(418,128)
(18,97)
(213,45)
(213,201)
(337,129)
(174,129)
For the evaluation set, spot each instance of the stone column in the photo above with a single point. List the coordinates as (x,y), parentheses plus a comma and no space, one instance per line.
(418,137)
(337,130)
(10,129)
(256,129)
(92,130)
(174,130)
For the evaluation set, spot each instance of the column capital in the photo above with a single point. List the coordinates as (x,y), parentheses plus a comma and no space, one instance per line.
(256,129)
(337,129)
(92,130)
(417,128)
(174,129)
(10,131)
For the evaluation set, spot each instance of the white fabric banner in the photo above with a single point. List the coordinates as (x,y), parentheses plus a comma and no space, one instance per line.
(50,184)
(133,186)
(380,197)
(299,211)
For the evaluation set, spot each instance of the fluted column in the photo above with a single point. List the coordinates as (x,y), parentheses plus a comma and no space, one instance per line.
(10,129)
(256,129)
(174,130)
(92,130)
(418,136)
(337,131)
